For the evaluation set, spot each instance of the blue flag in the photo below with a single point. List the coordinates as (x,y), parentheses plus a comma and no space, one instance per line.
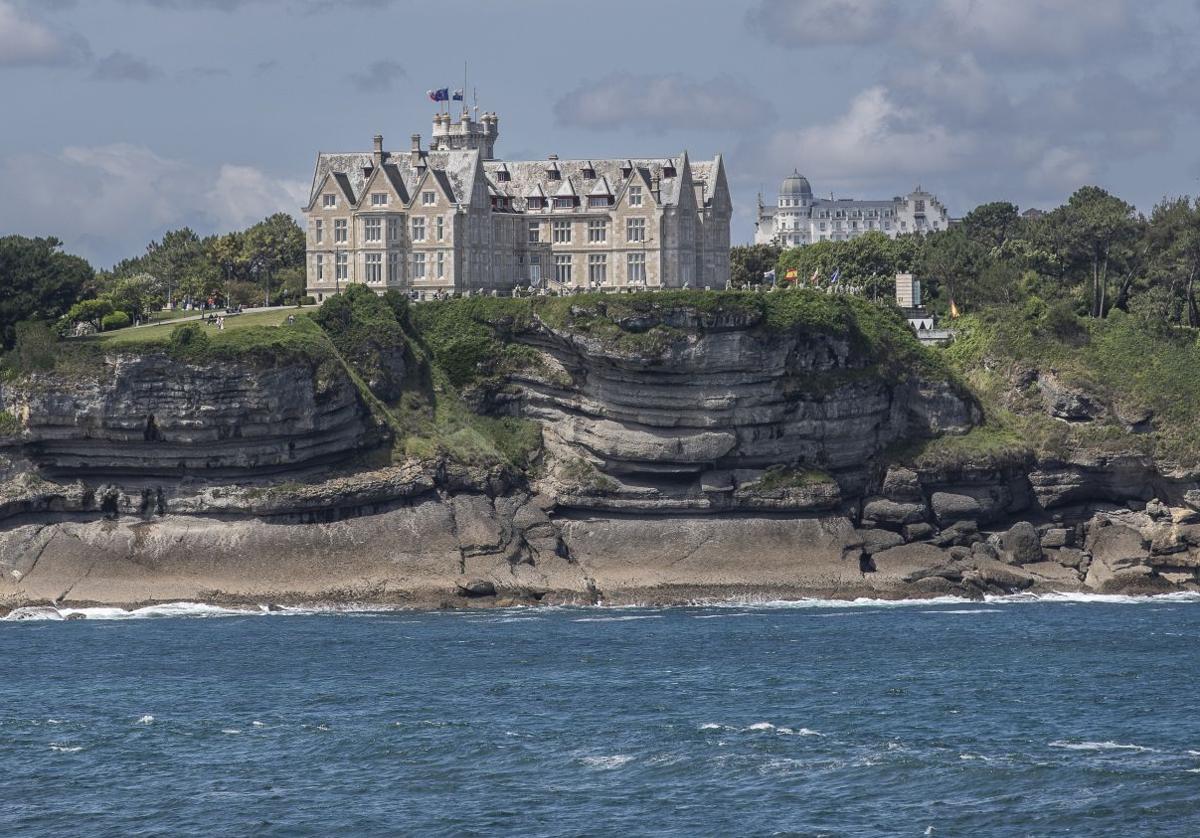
(442,94)
(837,273)
(458,95)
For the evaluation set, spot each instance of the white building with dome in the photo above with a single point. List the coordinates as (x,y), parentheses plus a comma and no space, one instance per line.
(798,218)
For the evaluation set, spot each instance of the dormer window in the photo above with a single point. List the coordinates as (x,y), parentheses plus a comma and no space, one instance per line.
(564,202)
(669,170)
(598,201)
(329,201)
(503,176)
(536,203)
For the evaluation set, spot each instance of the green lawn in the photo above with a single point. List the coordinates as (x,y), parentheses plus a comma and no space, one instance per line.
(152,334)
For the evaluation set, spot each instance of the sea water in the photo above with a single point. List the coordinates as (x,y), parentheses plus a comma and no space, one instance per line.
(945,718)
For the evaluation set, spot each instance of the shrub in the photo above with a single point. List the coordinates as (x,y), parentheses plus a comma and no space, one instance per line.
(310,300)
(188,339)
(115,320)
(35,346)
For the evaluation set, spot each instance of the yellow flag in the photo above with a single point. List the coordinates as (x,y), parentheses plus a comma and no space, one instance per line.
(953,310)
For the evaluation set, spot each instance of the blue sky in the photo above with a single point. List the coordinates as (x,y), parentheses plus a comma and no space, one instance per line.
(124,118)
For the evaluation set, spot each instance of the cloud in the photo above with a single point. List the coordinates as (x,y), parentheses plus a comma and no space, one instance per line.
(875,137)
(657,103)
(1044,32)
(121,66)
(107,202)
(1038,31)
(808,22)
(378,75)
(25,41)
(243,195)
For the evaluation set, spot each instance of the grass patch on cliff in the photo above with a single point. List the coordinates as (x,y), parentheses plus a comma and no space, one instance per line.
(986,446)
(1130,367)
(9,425)
(789,477)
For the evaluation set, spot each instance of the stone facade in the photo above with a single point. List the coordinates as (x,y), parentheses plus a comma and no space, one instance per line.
(798,218)
(452,218)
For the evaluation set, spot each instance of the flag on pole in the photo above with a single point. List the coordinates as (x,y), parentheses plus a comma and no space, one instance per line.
(836,274)
(442,94)
(792,273)
(457,96)
(953,310)
(812,280)
(769,276)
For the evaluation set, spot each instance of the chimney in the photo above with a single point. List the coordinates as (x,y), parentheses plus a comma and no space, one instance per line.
(655,185)
(414,156)
(552,157)
(379,149)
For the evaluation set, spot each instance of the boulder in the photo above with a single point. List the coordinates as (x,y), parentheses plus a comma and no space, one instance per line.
(988,573)
(959,533)
(1066,556)
(875,541)
(475,588)
(949,507)
(888,512)
(1021,545)
(901,484)
(1057,537)
(1063,401)
(984,550)
(1054,574)
(917,532)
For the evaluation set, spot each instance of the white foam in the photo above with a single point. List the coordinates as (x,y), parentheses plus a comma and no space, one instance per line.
(710,726)
(1097,746)
(761,726)
(231,731)
(962,611)
(145,720)
(607,763)
(66,749)
(258,724)
(620,619)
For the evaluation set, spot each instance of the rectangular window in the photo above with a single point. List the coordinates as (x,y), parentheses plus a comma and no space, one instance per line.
(373,229)
(535,203)
(329,201)
(374,267)
(393,230)
(535,232)
(635,229)
(320,267)
(441,228)
(635,273)
(598,201)
(418,229)
(428,198)
(418,263)
(394,268)
(635,196)
(319,231)
(340,230)
(598,268)
(441,263)
(562,268)
(341,265)
(561,231)
(379,199)
(564,203)
(597,231)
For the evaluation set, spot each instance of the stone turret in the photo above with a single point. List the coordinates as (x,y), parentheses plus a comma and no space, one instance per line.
(466,133)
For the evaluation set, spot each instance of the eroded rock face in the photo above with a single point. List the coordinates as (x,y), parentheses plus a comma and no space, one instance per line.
(728,398)
(152,414)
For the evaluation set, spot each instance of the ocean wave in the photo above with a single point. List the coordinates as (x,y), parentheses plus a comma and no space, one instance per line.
(759,727)
(1097,746)
(145,720)
(620,619)
(607,763)
(66,749)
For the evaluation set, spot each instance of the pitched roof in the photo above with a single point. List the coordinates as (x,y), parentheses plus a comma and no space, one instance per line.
(456,168)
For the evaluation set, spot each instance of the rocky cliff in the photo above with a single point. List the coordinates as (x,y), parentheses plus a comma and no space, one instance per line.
(686,451)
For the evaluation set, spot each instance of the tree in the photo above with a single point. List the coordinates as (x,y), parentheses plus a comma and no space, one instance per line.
(91,312)
(1172,244)
(1100,227)
(271,245)
(135,295)
(748,263)
(992,225)
(949,260)
(37,282)
(177,258)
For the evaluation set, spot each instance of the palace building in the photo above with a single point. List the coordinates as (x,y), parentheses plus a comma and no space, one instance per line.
(799,218)
(452,218)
